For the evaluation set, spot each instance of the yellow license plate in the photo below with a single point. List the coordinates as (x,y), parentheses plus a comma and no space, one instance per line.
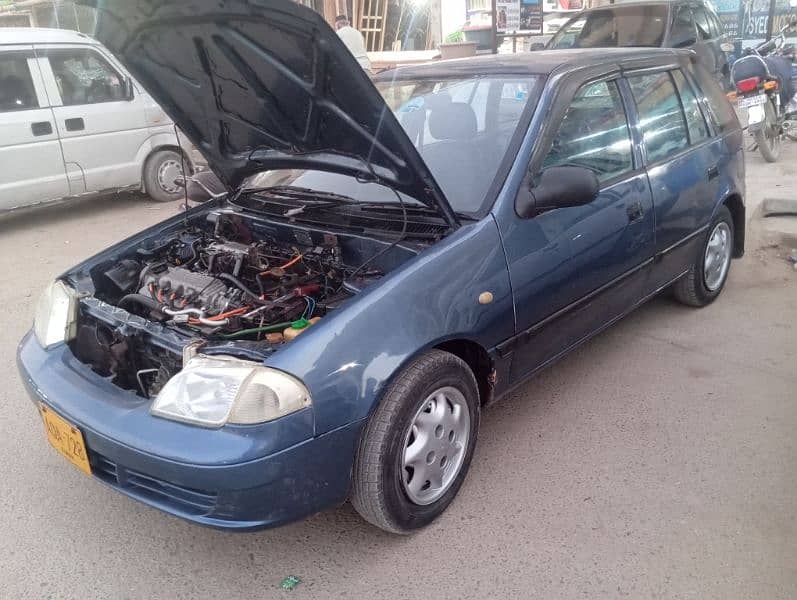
(66,438)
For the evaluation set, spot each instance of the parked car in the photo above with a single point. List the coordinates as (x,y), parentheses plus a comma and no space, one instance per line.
(72,122)
(415,249)
(689,24)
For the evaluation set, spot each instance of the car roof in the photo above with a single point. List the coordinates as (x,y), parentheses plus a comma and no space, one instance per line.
(541,62)
(41,35)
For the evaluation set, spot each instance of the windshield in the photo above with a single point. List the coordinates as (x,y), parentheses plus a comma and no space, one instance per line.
(462,129)
(620,26)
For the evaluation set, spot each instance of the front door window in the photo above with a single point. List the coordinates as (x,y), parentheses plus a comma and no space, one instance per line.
(594,133)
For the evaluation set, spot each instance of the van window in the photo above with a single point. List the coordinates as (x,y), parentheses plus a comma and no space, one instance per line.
(718,29)
(660,118)
(85,77)
(694,118)
(682,33)
(702,22)
(16,84)
(594,133)
(614,26)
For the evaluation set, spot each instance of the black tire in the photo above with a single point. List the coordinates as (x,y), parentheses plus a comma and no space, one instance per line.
(768,137)
(158,190)
(377,490)
(691,288)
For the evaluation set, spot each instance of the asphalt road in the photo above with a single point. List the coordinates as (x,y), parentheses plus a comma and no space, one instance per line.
(658,461)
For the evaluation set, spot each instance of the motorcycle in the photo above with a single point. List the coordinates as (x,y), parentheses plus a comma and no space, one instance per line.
(765,86)
(790,124)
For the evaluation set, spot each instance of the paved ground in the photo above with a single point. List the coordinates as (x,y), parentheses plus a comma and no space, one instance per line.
(658,461)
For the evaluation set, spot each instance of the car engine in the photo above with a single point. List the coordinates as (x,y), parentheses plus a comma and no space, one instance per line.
(220,283)
(223,288)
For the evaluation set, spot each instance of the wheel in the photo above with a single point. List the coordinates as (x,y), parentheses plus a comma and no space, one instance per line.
(706,278)
(768,137)
(160,173)
(417,447)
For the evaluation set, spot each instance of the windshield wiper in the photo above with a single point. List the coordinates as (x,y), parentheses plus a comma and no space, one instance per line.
(304,197)
(313,199)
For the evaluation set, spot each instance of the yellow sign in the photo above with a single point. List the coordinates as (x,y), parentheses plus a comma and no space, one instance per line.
(66,438)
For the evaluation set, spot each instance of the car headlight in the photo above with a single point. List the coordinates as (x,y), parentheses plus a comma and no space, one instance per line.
(56,315)
(213,391)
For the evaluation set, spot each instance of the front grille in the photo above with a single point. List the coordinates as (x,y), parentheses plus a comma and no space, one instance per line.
(152,489)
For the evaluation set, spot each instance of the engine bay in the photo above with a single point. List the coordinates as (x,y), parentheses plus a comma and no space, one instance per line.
(219,286)
(224,282)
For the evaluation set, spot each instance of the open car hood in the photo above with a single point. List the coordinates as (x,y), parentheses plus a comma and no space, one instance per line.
(264,84)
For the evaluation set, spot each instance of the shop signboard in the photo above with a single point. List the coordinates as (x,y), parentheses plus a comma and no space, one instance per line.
(508,19)
(531,16)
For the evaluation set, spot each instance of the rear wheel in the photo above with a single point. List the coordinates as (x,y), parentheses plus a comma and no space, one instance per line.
(705,279)
(417,447)
(161,172)
(768,137)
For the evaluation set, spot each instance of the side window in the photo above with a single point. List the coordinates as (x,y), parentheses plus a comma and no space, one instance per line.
(721,110)
(85,77)
(682,32)
(694,118)
(16,84)
(594,133)
(660,117)
(702,22)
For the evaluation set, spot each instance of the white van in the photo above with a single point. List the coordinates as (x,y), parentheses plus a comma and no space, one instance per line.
(72,121)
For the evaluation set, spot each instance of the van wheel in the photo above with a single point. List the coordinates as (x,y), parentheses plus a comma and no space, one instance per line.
(417,447)
(707,276)
(160,174)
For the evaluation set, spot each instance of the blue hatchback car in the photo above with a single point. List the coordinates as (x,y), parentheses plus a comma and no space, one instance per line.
(388,258)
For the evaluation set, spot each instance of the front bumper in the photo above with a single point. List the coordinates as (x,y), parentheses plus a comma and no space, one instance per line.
(235,477)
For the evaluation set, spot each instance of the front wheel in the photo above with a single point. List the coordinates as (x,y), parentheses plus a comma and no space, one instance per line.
(417,447)
(768,137)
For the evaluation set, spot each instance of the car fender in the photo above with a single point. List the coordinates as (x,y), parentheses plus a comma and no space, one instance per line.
(348,358)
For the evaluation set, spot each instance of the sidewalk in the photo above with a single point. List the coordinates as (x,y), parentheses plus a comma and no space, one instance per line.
(766,182)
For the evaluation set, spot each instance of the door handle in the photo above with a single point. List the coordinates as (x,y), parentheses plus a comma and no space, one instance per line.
(713,172)
(634,212)
(41,128)
(75,124)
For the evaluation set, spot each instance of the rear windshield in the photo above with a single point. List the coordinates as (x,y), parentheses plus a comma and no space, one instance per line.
(620,26)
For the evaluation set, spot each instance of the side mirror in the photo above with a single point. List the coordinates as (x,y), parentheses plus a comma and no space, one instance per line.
(559,187)
(127,89)
(540,46)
